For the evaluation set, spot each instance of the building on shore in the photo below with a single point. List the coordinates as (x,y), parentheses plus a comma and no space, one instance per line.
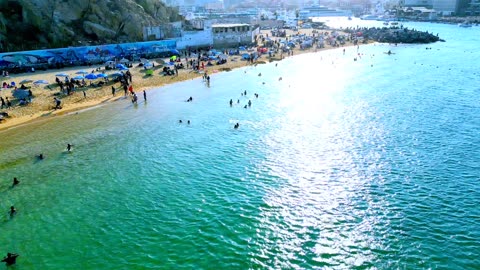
(231,35)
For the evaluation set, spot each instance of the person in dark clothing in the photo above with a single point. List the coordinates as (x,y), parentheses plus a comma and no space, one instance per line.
(144,95)
(113,90)
(10,259)
(15,181)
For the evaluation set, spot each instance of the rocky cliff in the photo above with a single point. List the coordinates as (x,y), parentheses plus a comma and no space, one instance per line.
(36,24)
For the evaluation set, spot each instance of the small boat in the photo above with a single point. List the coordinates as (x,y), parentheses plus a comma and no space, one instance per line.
(465,24)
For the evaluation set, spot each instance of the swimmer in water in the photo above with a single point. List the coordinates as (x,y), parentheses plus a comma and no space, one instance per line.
(40,156)
(188,122)
(69,147)
(180,121)
(238,100)
(237,125)
(260,74)
(231,102)
(10,259)
(249,103)
(15,181)
(13,211)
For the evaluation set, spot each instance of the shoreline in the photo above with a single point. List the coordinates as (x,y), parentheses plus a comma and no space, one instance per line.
(40,108)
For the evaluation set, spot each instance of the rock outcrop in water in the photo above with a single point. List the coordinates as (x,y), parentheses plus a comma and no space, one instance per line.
(35,24)
(395,35)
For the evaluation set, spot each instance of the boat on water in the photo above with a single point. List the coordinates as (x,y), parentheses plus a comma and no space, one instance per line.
(465,24)
(369,17)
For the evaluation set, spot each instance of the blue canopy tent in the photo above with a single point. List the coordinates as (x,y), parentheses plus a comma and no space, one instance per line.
(40,82)
(91,76)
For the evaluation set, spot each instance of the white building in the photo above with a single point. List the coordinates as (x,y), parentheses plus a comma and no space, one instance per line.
(226,35)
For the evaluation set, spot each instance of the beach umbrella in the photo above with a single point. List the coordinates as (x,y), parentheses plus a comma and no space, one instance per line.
(223,56)
(79,77)
(149,72)
(123,68)
(40,82)
(120,66)
(116,74)
(61,75)
(26,81)
(81,72)
(102,75)
(20,93)
(91,76)
(174,51)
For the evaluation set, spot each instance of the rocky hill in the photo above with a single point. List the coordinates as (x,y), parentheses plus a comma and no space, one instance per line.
(37,24)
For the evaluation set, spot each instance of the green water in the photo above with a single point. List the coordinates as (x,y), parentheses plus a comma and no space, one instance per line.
(372,164)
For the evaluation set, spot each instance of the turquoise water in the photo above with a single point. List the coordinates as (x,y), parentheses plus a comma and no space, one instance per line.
(368,164)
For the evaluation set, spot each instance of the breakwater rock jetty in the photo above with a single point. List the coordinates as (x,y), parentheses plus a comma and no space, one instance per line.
(394,35)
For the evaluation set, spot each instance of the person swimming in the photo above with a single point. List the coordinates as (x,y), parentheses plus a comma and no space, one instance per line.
(236,126)
(238,100)
(188,122)
(40,156)
(69,147)
(249,103)
(13,211)
(10,259)
(245,92)
(180,121)
(231,102)
(15,181)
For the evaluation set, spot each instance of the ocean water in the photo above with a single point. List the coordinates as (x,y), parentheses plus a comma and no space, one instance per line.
(341,164)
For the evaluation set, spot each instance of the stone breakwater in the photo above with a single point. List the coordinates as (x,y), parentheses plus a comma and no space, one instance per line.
(394,35)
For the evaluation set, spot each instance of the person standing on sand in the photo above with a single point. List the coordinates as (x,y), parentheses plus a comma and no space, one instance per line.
(3,103)
(113,90)
(125,88)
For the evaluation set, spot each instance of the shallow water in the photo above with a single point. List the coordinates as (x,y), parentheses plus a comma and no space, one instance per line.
(342,164)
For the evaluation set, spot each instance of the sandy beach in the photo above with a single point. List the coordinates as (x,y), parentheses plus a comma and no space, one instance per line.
(43,95)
